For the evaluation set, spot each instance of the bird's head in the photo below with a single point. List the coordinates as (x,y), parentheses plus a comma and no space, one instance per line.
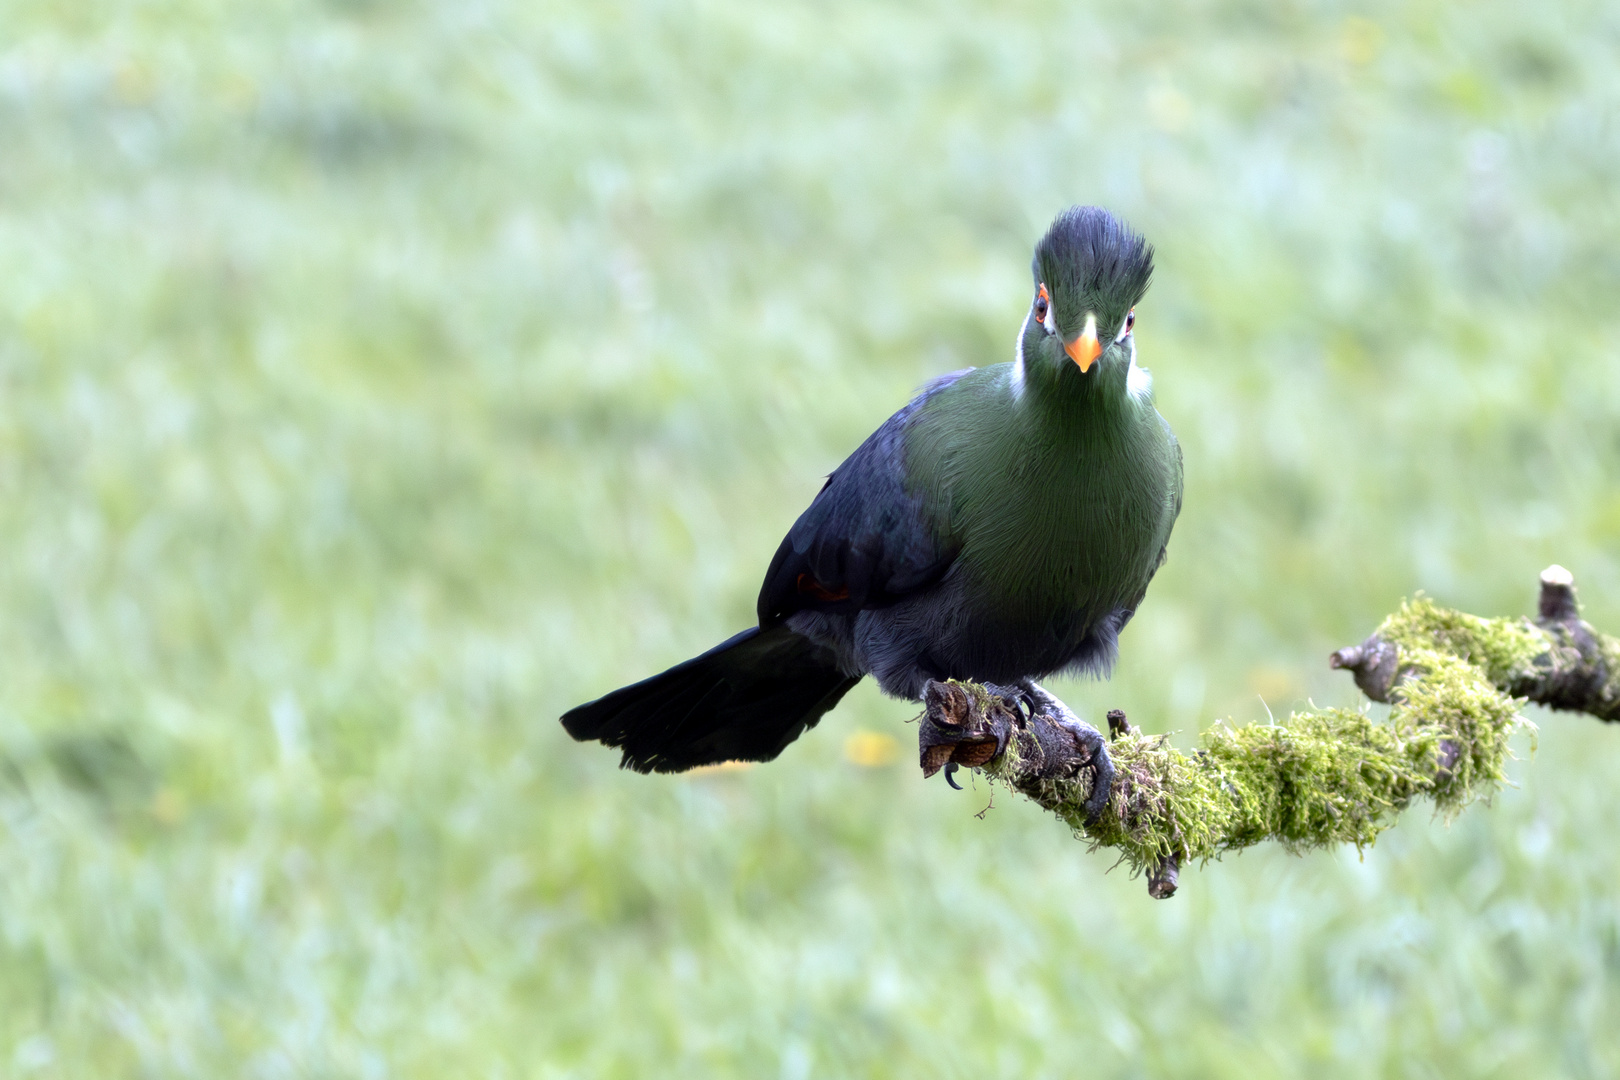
(1090,270)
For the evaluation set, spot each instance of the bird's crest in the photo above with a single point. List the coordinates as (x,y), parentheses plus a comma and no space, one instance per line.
(1092,261)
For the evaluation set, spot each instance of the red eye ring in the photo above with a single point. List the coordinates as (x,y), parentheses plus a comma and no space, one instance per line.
(1042,303)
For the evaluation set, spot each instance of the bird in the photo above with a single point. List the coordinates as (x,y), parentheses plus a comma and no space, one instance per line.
(1002,527)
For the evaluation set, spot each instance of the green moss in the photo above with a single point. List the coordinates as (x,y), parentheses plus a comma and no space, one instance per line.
(1321,778)
(1610,648)
(1504,648)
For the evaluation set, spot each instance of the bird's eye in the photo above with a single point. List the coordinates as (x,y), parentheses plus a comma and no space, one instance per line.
(1042,303)
(1130,321)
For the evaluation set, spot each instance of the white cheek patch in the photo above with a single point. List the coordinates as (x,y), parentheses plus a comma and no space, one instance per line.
(1018,361)
(1051,319)
(1138,381)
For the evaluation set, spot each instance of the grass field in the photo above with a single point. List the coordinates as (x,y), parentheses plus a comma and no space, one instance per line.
(379,379)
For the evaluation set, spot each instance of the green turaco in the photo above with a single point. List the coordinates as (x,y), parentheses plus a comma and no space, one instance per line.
(1001,527)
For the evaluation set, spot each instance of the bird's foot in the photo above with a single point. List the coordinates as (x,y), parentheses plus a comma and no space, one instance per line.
(955,734)
(961,730)
(1093,748)
(1021,697)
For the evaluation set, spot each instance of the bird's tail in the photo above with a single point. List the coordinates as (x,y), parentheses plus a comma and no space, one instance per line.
(743,700)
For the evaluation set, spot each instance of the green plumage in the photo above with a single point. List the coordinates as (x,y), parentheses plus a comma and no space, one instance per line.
(1060,495)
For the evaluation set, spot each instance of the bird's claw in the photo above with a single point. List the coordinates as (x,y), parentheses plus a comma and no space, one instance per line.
(1101,766)
(1087,738)
(950,775)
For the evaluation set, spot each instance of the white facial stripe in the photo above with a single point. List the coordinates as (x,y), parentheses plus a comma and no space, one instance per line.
(1124,325)
(1138,381)
(1018,360)
(1051,318)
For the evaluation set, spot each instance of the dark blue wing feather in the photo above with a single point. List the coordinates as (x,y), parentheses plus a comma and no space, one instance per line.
(866,540)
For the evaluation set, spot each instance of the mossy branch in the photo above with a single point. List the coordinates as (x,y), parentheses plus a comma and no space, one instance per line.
(1456,683)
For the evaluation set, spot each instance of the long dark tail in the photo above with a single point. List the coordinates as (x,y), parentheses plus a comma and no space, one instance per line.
(743,700)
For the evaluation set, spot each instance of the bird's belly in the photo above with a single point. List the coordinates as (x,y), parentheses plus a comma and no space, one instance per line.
(949,632)
(1050,588)
(1042,583)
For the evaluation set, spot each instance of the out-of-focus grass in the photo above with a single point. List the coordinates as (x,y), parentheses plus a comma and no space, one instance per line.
(379,379)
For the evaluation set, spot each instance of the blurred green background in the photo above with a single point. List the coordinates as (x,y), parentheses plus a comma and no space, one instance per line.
(378,379)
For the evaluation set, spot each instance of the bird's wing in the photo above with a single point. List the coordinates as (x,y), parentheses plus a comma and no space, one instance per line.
(866,540)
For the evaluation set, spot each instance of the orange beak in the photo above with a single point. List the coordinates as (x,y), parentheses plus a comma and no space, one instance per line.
(1085,349)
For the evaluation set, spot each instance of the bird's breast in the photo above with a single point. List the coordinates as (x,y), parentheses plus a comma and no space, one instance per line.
(1058,537)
